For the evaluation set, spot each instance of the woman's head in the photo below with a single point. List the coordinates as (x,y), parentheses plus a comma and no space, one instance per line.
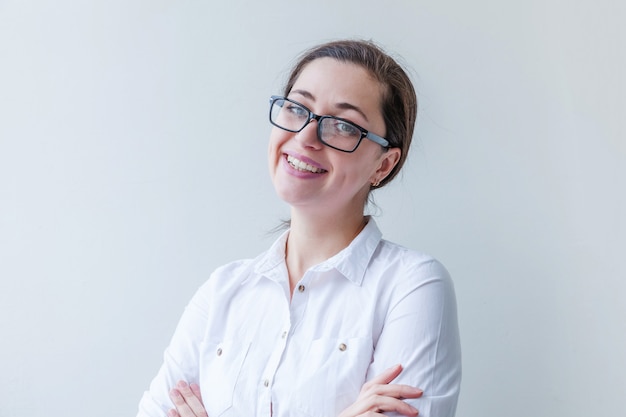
(398,102)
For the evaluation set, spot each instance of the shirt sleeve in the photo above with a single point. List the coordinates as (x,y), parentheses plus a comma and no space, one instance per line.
(421,333)
(180,360)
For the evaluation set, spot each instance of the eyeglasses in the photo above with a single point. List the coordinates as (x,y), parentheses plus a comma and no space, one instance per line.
(332,131)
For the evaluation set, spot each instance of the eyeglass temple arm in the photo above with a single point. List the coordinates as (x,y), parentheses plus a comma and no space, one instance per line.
(375,138)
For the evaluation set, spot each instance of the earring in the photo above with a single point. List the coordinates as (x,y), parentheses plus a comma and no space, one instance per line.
(376,183)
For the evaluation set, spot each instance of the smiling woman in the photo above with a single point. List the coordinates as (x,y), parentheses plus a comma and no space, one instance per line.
(349,94)
(332,320)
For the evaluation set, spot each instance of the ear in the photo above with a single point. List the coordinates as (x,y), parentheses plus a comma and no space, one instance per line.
(388,161)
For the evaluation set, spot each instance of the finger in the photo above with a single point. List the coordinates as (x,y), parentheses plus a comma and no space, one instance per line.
(195,388)
(173,413)
(182,408)
(193,402)
(375,404)
(397,391)
(382,403)
(387,375)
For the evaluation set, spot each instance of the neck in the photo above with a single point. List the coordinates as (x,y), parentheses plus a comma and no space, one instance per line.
(315,237)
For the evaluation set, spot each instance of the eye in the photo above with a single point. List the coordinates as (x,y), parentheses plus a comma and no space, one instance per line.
(346,129)
(296,111)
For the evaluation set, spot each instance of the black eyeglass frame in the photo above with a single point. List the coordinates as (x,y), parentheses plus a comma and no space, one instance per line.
(312,116)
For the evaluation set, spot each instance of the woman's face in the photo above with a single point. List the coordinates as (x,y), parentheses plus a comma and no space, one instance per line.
(331,179)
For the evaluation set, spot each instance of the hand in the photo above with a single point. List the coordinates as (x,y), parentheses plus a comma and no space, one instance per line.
(379,395)
(188,401)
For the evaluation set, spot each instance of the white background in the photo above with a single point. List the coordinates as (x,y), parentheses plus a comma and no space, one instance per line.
(133,162)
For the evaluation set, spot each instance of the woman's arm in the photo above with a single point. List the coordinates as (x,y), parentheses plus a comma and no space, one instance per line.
(377,396)
(180,360)
(421,332)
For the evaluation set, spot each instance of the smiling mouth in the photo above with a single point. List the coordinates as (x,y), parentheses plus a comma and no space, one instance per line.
(303,166)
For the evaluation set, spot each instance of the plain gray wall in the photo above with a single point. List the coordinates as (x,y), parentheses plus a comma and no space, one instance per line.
(133,161)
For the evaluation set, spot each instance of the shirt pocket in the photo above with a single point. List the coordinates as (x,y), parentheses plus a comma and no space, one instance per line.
(332,374)
(220,366)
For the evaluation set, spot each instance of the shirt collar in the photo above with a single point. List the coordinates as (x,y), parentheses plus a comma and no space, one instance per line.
(271,263)
(351,262)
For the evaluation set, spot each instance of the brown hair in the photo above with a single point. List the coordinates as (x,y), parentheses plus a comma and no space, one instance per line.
(399,102)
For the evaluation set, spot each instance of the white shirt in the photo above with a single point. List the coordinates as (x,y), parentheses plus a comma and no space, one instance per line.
(371,306)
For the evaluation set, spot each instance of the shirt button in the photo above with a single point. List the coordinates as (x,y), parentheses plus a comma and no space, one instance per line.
(301,288)
(266,383)
(343,347)
(284,335)
(219,352)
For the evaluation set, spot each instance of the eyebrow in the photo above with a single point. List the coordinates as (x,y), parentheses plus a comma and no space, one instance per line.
(342,106)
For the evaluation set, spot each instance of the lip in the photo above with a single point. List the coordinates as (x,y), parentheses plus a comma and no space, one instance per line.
(301,174)
(304,159)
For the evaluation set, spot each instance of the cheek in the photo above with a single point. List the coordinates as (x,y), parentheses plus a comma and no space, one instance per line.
(272,144)
(353,173)
(277,138)
(275,143)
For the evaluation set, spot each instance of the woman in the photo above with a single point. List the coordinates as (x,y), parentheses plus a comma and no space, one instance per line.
(331,320)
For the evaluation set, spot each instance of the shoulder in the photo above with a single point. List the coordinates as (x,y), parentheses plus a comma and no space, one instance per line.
(227,277)
(414,284)
(231,276)
(413,262)
(398,271)
(232,269)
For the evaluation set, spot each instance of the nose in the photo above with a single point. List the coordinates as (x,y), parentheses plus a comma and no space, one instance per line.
(307,137)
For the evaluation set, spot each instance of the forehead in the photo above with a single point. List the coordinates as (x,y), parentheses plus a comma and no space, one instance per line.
(328,79)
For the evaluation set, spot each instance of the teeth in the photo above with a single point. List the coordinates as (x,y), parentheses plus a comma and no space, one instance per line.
(302,166)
